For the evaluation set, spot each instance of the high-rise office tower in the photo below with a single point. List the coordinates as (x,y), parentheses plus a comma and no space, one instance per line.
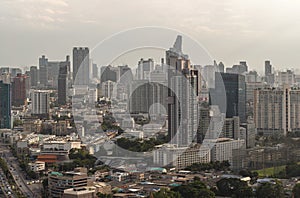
(204,121)
(34,76)
(40,103)
(107,89)
(244,63)
(64,69)
(124,72)
(81,66)
(269,76)
(209,75)
(221,67)
(15,71)
(268,68)
(235,88)
(231,128)
(20,89)
(43,71)
(144,95)
(182,93)
(5,106)
(53,72)
(144,69)
(108,73)
(95,73)
(285,78)
(238,69)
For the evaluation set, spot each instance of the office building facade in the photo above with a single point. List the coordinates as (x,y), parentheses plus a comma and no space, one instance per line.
(5,105)
(81,66)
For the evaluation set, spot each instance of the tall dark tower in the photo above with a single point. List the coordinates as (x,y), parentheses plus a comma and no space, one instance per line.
(34,76)
(268,68)
(20,89)
(235,88)
(81,66)
(5,106)
(43,71)
(63,81)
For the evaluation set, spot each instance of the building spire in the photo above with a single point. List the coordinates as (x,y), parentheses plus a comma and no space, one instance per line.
(178,44)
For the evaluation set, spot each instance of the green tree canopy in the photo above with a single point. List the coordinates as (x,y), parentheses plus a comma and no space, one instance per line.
(234,188)
(269,190)
(296,191)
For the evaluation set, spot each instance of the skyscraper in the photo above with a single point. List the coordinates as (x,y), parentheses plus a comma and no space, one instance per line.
(40,103)
(64,69)
(107,89)
(182,103)
(108,73)
(269,76)
(235,88)
(276,110)
(144,95)
(144,69)
(34,76)
(238,69)
(5,106)
(15,71)
(268,68)
(20,89)
(221,67)
(95,73)
(81,66)
(43,71)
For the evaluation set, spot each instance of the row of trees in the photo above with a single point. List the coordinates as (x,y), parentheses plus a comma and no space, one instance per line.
(226,187)
(139,145)
(195,189)
(291,170)
(80,158)
(219,166)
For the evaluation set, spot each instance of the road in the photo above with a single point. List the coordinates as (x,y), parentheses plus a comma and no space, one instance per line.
(18,175)
(5,187)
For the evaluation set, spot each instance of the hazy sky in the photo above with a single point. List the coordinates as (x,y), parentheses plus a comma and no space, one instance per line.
(231,30)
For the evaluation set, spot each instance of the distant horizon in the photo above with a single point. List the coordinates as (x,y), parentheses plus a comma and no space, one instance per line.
(231,31)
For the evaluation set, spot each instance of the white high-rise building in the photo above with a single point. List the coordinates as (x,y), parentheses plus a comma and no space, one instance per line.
(285,78)
(145,67)
(107,89)
(40,103)
(276,110)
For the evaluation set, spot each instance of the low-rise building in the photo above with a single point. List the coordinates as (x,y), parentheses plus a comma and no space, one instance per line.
(58,182)
(181,157)
(37,166)
(223,149)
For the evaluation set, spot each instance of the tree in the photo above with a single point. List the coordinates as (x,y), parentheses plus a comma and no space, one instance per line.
(270,190)
(219,166)
(296,191)
(100,195)
(17,122)
(165,193)
(195,189)
(234,187)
